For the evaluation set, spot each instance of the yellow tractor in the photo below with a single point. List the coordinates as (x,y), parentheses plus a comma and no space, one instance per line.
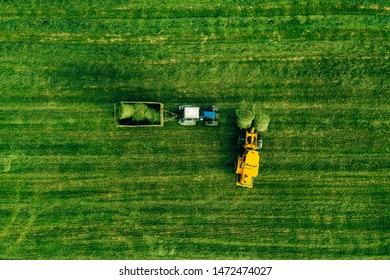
(247,165)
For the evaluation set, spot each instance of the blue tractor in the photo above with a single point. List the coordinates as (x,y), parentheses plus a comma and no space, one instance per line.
(190,115)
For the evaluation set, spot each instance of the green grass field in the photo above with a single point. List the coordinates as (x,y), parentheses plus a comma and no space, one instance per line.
(73,186)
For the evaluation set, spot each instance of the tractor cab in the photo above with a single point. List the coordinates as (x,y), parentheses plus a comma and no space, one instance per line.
(189,114)
(247,168)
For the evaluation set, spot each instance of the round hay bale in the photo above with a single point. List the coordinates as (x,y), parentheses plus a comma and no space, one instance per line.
(261,122)
(125,111)
(149,114)
(139,112)
(138,116)
(152,115)
(244,118)
(141,107)
(156,117)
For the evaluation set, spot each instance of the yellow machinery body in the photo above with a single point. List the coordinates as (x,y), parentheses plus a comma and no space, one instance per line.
(247,167)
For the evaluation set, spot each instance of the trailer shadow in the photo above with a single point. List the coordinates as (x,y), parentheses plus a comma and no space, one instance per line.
(101,82)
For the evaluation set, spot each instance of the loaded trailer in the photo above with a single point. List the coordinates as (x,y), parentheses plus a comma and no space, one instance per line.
(141,114)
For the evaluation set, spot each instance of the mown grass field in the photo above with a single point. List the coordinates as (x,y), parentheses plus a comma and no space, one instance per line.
(73,186)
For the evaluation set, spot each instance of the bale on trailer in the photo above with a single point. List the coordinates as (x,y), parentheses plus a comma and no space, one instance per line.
(125,111)
(152,115)
(139,112)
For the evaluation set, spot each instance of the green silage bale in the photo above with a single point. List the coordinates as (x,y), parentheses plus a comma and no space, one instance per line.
(152,115)
(156,117)
(261,122)
(139,112)
(125,111)
(244,118)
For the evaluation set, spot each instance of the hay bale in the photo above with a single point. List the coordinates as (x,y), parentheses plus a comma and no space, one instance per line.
(125,111)
(244,118)
(140,107)
(152,115)
(139,112)
(149,114)
(261,122)
(156,118)
(138,116)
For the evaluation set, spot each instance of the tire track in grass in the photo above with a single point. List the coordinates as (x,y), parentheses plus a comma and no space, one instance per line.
(7,162)
(18,223)
(5,233)
(32,212)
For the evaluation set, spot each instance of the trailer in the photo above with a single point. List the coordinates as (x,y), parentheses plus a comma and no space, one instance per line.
(141,114)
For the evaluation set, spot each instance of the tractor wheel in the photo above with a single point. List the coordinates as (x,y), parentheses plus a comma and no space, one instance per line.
(211,123)
(235,166)
(238,178)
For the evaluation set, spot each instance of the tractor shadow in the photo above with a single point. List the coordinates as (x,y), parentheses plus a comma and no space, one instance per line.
(232,132)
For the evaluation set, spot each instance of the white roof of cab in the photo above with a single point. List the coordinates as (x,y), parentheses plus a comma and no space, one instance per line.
(191,112)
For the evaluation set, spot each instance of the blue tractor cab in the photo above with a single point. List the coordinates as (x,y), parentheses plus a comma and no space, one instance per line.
(210,116)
